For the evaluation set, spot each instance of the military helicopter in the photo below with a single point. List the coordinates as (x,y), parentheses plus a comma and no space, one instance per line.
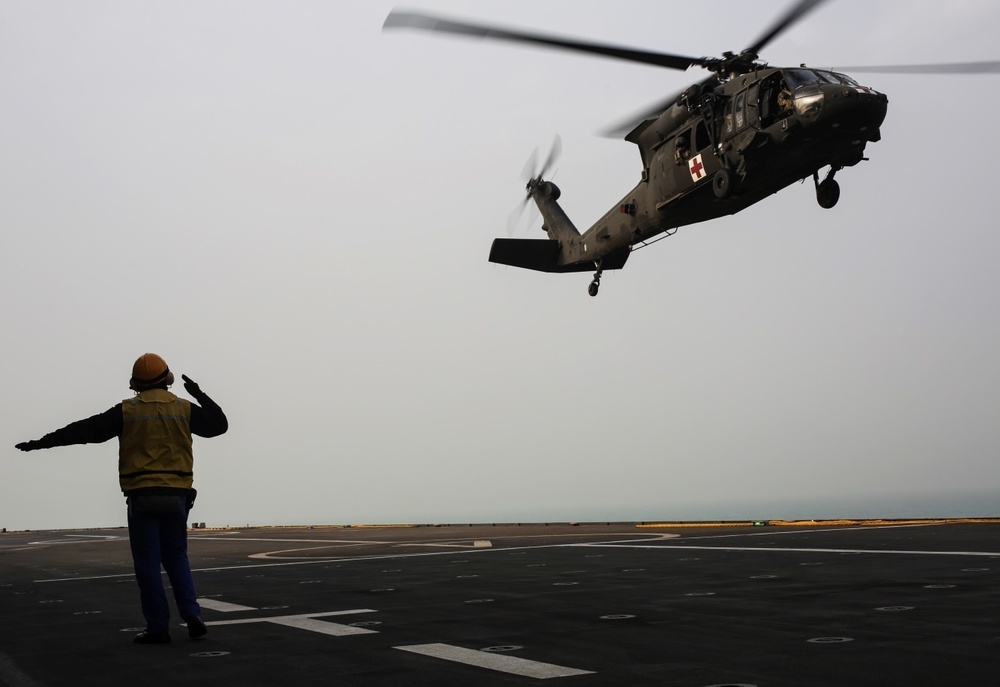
(717,147)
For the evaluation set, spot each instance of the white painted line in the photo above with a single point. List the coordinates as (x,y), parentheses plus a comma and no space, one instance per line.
(352,559)
(311,561)
(223,606)
(772,549)
(307,621)
(491,661)
(323,627)
(78,539)
(462,545)
(346,542)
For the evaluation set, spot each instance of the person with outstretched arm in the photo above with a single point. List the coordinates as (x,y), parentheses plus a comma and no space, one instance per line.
(156,474)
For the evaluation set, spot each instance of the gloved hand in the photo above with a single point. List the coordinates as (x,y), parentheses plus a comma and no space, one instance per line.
(191,386)
(28,445)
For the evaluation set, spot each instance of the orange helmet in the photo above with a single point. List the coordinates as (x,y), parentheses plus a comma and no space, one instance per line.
(149,372)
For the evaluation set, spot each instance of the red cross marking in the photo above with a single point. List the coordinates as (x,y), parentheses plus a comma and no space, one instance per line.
(697,169)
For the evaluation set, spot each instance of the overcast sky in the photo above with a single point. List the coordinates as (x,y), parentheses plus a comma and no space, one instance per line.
(295,210)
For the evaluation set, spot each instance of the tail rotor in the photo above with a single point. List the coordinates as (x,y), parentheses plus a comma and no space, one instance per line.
(533,176)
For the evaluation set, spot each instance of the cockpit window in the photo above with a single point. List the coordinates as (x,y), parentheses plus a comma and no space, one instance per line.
(801,77)
(845,79)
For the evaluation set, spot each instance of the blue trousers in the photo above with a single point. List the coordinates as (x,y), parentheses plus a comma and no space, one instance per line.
(158,536)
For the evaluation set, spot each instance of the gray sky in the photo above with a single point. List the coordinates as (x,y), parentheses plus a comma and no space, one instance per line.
(295,210)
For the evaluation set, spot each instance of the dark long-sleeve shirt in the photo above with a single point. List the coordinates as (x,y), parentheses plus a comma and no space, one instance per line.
(207,420)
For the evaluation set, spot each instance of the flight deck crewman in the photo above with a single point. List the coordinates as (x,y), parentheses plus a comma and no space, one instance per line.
(155,471)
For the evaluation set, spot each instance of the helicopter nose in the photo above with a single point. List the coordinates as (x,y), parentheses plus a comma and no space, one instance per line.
(855,109)
(867,100)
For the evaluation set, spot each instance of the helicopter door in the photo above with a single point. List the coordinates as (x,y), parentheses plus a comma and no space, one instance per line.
(705,163)
(740,110)
(694,159)
(752,109)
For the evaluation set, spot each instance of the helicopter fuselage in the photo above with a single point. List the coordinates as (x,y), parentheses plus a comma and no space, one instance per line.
(722,147)
(745,132)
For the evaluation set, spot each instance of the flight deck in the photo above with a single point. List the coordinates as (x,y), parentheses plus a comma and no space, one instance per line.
(692,605)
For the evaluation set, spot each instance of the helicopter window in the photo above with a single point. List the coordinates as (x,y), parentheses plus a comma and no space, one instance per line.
(801,77)
(682,149)
(773,99)
(740,102)
(834,77)
(701,140)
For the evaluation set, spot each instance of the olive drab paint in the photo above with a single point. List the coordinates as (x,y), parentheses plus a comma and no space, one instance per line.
(155,448)
(716,148)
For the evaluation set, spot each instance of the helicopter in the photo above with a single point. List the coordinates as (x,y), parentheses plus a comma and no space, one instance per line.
(745,132)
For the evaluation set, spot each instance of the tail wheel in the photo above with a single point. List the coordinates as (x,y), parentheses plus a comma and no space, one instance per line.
(595,285)
(722,183)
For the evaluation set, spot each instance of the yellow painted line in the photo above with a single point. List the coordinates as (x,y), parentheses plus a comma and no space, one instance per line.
(873,522)
(698,524)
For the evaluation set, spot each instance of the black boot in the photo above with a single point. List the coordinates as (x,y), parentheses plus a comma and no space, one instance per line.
(147,637)
(196,627)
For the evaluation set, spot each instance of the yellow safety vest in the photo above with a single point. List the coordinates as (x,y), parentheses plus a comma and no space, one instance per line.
(154,449)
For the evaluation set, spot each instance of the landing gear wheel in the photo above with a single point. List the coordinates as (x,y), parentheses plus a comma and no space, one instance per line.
(722,183)
(828,193)
(596,284)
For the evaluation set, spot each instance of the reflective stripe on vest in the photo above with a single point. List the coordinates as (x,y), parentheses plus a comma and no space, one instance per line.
(154,449)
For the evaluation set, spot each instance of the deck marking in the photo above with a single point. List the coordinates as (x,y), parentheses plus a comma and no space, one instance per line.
(503,664)
(323,627)
(513,550)
(307,621)
(822,529)
(771,549)
(223,606)
(349,542)
(78,539)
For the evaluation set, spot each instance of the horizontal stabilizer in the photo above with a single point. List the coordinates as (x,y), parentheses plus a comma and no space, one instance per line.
(542,255)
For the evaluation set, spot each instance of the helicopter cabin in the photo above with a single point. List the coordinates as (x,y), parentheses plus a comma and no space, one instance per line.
(722,135)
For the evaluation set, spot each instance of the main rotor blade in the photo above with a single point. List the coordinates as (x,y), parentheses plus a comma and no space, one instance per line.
(626,125)
(801,9)
(952,68)
(426,22)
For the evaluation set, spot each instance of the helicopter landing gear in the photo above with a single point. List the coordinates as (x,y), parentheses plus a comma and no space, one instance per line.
(828,190)
(722,183)
(596,284)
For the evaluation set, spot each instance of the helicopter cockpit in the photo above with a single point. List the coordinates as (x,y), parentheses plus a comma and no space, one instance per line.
(802,91)
(796,91)
(803,77)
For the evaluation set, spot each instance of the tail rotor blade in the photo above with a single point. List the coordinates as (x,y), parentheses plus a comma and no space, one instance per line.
(554,152)
(528,173)
(530,176)
(514,218)
(523,216)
